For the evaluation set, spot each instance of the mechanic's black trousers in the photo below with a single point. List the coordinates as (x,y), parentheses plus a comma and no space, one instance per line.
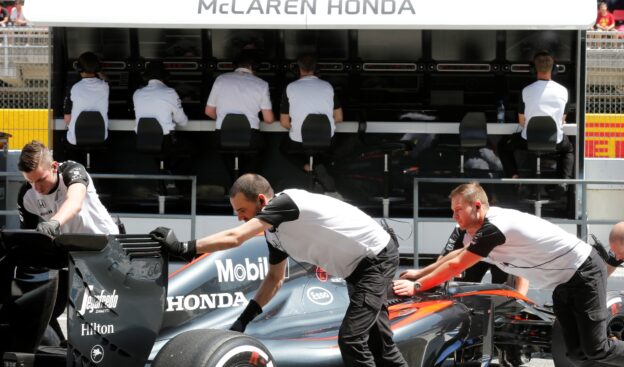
(365,337)
(581,307)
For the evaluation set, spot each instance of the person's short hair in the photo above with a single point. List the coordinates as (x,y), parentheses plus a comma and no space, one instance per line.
(543,61)
(155,70)
(33,155)
(251,185)
(600,4)
(307,62)
(247,58)
(617,234)
(88,62)
(471,192)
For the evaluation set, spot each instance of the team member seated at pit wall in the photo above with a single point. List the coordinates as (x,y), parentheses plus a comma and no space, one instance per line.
(320,230)
(241,92)
(88,94)
(308,95)
(4,16)
(59,197)
(549,257)
(158,101)
(458,240)
(544,97)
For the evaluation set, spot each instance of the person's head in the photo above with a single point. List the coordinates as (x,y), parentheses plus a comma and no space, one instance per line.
(19,4)
(469,203)
(602,7)
(247,58)
(307,63)
(616,240)
(249,194)
(38,167)
(155,70)
(88,63)
(543,62)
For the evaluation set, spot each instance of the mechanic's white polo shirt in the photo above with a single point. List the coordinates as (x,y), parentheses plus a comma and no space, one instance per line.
(308,95)
(321,230)
(530,247)
(160,102)
(544,98)
(89,94)
(240,92)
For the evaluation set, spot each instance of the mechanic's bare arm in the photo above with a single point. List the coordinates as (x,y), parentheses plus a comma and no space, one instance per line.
(271,283)
(67,118)
(211,112)
(442,273)
(522,285)
(338,116)
(231,238)
(76,194)
(521,119)
(415,274)
(268,116)
(285,121)
(610,269)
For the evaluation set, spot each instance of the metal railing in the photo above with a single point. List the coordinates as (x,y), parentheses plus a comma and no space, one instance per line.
(113,176)
(581,219)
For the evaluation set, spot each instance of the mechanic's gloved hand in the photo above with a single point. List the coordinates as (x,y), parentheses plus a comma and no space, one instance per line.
(166,237)
(52,228)
(252,310)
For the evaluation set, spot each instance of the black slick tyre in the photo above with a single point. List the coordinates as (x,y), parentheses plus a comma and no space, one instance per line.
(213,348)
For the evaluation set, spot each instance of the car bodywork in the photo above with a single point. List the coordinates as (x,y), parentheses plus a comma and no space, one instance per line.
(124,308)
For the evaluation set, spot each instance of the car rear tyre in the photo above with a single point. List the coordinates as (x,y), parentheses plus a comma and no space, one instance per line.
(615,328)
(213,348)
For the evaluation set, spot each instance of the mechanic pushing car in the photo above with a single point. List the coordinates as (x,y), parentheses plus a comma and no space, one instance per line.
(322,231)
(550,258)
(59,197)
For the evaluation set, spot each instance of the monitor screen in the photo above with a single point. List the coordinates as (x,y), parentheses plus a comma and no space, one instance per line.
(522,45)
(107,43)
(395,45)
(169,43)
(227,43)
(327,44)
(463,45)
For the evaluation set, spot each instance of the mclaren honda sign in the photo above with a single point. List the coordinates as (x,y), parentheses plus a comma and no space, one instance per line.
(314,14)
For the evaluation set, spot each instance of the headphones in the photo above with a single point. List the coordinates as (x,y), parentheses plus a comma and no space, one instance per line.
(88,62)
(543,53)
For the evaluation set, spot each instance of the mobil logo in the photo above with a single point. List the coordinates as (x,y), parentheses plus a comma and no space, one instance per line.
(245,270)
(320,296)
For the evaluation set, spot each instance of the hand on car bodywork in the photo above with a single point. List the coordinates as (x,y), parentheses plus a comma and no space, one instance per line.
(52,228)
(252,310)
(411,274)
(168,239)
(404,287)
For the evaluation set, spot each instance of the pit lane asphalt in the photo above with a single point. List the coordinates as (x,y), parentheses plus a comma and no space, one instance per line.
(616,282)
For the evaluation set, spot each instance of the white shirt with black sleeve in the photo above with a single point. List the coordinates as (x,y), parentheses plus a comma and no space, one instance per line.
(239,92)
(320,230)
(93,217)
(89,94)
(528,246)
(158,101)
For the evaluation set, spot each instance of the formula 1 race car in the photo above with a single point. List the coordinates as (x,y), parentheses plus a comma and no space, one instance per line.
(125,309)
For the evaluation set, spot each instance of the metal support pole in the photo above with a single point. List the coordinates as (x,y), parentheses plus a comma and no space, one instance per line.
(416,222)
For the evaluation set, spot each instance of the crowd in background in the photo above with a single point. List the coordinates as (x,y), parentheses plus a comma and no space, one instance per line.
(11,14)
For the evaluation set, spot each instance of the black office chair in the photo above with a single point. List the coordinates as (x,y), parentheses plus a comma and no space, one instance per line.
(316,138)
(90,130)
(388,149)
(150,140)
(472,135)
(541,141)
(236,138)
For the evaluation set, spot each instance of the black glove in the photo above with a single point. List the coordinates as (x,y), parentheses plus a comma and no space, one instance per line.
(52,228)
(607,256)
(166,237)
(252,310)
